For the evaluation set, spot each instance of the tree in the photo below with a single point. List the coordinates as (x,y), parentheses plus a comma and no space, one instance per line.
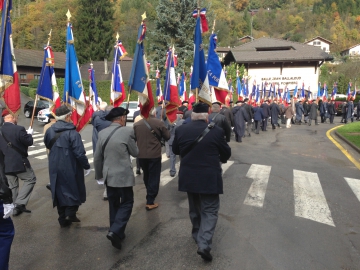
(93,30)
(174,26)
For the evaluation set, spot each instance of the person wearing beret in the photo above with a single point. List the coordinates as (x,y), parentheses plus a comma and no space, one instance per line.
(113,166)
(275,111)
(220,120)
(266,112)
(7,231)
(14,143)
(67,162)
(187,114)
(258,117)
(313,112)
(150,154)
(178,122)
(332,111)
(184,106)
(241,116)
(200,174)
(250,112)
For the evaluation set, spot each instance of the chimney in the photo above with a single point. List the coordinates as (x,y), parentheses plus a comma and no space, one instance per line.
(106,69)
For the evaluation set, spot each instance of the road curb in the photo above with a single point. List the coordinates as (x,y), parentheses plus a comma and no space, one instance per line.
(357,149)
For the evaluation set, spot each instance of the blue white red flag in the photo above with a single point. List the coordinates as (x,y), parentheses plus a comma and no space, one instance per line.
(47,87)
(295,95)
(239,88)
(309,95)
(199,67)
(354,93)
(159,94)
(318,95)
(349,91)
(139,76)
(73,87)
(257,95)
(204,22)
(117,89)
(279,93)
(324,93)
(171,94)
(93,93)
(9,79)
(334,91)
(270,90)
(288,98)
(253,91)
(302,91)
(245,88)
(285,93)
(215,76)
(182,87)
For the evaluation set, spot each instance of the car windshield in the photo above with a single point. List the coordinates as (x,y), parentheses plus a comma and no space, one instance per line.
(132,105)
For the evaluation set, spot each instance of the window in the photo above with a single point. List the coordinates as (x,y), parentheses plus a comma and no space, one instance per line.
(36,77)
(316,43)
(22,76)
(324,49)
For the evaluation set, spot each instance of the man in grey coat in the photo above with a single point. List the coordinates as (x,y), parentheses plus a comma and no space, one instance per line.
(113,166)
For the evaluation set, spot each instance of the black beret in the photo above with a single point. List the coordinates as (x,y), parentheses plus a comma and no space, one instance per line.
(62,110)
(239,101)
(185,101)
(217,102)
(116,112)
(200,108)
(246,99)
(160,102)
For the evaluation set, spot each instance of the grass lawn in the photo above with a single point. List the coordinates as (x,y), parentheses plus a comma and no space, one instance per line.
(351,132)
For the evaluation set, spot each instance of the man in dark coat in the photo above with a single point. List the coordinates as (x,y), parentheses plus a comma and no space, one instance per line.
(67,162)
(275,111)
(240,118)
(250,113)
(324,111)
(331,111)
(178,122)
(14,144)
(220,120)
(313,112)
(306,106)
(187,114)
(349,111)
(258,117)
(7,231)
(225,111)
(184,106)
(150,154)
(200,174)
(266,113)
(299,109)
(99,113)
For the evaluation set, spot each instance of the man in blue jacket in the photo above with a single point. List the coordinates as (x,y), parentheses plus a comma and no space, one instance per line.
(67,162)
(200,174)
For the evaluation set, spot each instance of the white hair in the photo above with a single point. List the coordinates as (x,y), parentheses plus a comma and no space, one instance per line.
(215,108)
(153,111)
(61,117)
(199,116)
(103,105)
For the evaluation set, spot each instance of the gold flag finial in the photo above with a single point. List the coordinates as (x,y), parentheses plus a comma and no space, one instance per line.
(68,15)
(49,37)
(117,36)
(143,17)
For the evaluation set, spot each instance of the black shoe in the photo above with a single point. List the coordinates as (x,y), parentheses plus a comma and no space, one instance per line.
(115,240)
(249,135)
(66,224)
(48,186)
(72,219)
(105,198)
(204,254)
(19,209)
(317,124)
(172,174)
(138,171)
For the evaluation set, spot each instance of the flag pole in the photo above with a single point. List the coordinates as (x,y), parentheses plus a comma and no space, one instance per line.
(197,89)
(36,96)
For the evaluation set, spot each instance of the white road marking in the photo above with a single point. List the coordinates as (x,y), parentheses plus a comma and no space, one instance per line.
(256,194)
(354,185)
(37,135)
(310,201)
(44,150)
(38,139)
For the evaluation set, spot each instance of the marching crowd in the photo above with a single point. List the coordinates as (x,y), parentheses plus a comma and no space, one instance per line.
(196,127)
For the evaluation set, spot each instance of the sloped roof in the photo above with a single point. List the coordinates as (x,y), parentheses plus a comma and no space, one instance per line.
(34,58)
(99,68)
(276,50)
(222,49)
(318,37)
(350,48)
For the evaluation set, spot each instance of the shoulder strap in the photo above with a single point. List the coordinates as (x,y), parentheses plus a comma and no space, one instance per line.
(153,132)
(9,144)
(198,139)
(108,138)
(213,119)
(53,140)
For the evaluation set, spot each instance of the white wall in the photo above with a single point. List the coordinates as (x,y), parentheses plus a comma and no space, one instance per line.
(322,44)
(290,76)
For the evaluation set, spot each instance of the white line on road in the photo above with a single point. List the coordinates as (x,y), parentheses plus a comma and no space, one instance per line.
(37,135)
(256,194)
(44,149)
(310,201)
(38,139)
(354,185)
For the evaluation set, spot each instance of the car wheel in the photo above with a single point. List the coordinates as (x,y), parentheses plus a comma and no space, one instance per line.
(27,114)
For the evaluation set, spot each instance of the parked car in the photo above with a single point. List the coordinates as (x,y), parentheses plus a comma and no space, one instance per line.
(339,109)
(43,115)
(133,106)
(40,105)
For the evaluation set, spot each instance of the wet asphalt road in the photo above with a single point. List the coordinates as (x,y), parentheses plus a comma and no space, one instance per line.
(270,235)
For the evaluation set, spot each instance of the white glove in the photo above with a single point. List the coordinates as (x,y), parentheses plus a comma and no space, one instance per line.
(252,120)
(87,172)
(100,181)
(30,131)
(8,210)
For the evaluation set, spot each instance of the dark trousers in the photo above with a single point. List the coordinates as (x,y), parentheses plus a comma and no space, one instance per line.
(7,233)
(137,164)
(265,122)
(66,211)
(121,201)
(203,211)
(151,175)
(332,118)
(316,122)
(257,126)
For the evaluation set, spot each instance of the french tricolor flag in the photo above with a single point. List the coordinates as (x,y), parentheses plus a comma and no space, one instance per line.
(182,87)
(47,87)
(118,93)
(159,94)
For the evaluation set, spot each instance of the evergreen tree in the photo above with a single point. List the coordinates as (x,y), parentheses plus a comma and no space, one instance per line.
(93,30)
(174,26)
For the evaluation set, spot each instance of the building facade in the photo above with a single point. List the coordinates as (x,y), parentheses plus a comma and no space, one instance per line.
(320,42)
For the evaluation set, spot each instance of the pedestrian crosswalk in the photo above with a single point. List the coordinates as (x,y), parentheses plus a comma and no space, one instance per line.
(308,195)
